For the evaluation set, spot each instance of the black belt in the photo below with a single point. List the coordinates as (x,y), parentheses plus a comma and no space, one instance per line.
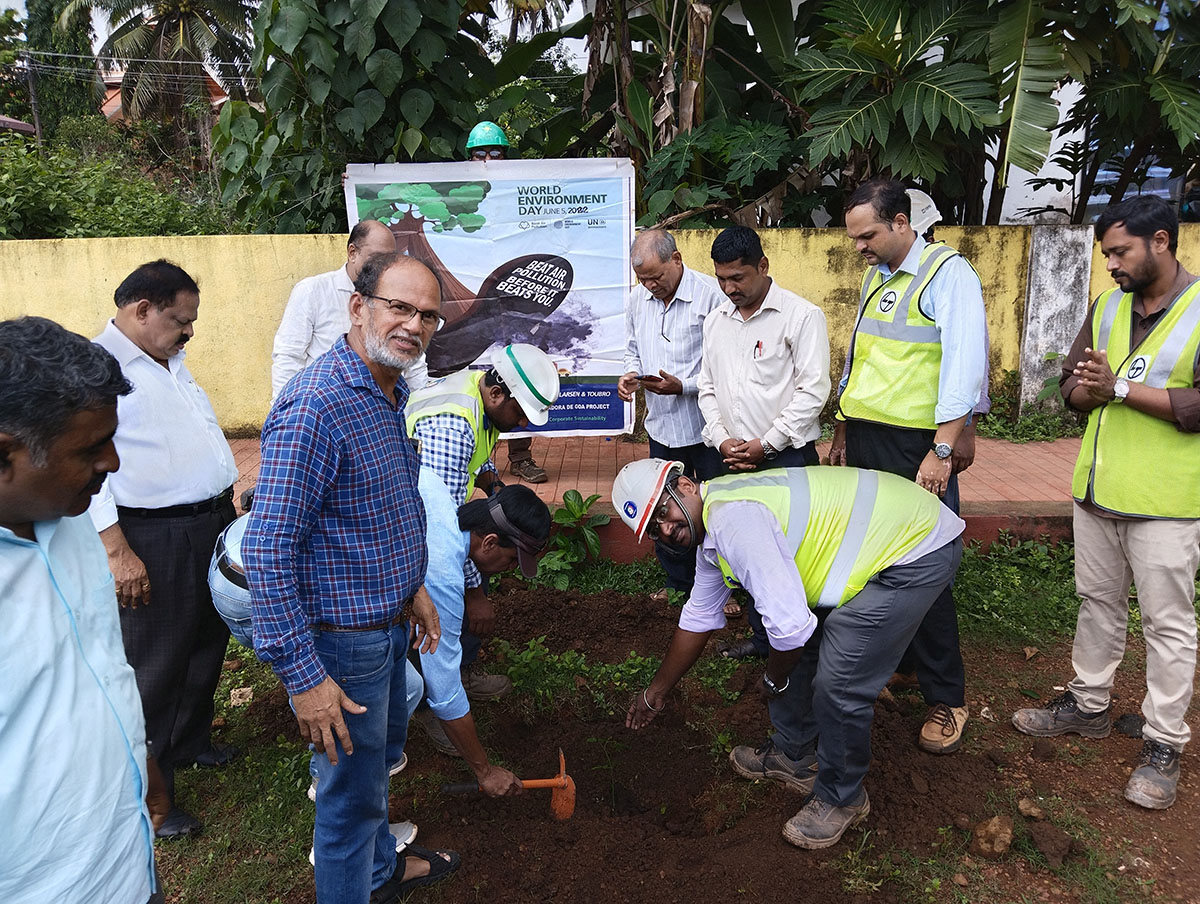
(181,511)
(400,616)
(227,568)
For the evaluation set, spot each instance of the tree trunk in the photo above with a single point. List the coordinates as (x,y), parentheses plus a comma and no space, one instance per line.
(691,97)
(457,300)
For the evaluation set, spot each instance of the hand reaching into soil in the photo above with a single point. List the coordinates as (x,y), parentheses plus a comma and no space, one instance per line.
(641,711)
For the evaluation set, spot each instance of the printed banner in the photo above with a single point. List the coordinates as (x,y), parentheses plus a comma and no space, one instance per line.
(530,251)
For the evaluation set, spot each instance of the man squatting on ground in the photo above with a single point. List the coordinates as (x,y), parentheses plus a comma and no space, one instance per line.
(79,794)
(844,564)
(335,556)
(1135,368)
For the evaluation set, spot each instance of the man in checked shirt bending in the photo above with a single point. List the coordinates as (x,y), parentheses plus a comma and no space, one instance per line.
(335,554)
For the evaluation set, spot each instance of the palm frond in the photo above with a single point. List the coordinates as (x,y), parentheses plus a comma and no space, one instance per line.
(959,92)
(834,131)
(1179,103)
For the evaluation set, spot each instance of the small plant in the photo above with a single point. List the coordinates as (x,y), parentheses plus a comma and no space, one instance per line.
(574,541)
(1050,421)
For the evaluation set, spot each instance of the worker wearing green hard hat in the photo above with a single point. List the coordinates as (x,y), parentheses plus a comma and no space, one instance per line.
(487,141)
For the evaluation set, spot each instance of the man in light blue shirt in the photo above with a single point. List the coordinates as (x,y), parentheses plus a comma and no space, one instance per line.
(916,365)
(664,339)
(79,795)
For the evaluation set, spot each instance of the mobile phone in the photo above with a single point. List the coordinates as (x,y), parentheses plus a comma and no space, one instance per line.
(649,378)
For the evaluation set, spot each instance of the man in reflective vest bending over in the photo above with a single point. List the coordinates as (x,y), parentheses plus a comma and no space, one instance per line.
(843,558)
(1135,368)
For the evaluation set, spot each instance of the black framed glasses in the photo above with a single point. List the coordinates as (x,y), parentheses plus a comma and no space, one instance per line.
(405,311)
(488,154)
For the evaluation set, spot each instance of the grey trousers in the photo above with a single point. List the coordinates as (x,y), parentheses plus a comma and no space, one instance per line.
(830,700)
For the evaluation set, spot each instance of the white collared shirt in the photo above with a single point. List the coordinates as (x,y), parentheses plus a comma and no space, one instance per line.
(766,377)
(671,338)
(172,449)
(316,316)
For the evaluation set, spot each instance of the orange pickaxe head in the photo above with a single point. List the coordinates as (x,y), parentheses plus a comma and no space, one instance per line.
(562,795)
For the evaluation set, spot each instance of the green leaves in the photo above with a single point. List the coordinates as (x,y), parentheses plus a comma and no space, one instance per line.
(958,92)
(385,68)
(1179,102)
(289,27)
(416,105)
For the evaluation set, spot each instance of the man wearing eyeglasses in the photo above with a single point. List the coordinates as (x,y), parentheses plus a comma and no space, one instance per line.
(317,312)
(335,557)
(664,334)
(458,420)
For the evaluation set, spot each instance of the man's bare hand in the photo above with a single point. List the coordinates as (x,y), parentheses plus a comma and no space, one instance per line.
(645,707)
(481,614)
(158,800)
(129,572)
(627,386)
(837,451)
(319,715)
(668,385)
(496,781)
(1096,376)
(963,455)
(426,626)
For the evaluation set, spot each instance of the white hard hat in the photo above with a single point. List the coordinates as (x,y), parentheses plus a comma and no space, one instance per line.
(637,490)
(530,376)
(924,211)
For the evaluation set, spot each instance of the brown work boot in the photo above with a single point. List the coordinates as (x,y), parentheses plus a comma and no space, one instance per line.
(528,470)
(943,728)
(481,685)
(820,824)
(432,726)
(1154,781)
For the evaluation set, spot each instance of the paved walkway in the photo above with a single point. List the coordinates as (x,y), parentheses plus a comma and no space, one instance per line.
(1029,480)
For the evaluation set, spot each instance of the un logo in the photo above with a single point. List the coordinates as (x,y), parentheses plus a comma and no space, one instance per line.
(887,302)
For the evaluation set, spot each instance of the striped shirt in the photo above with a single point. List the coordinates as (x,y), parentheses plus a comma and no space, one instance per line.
(447,445)
(671,338)
(337,532)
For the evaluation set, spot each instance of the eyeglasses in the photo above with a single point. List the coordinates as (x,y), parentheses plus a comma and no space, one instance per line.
(405,311)
(493,154)
(654,530)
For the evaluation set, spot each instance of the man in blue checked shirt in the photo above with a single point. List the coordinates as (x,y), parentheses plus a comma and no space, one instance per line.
(335,555)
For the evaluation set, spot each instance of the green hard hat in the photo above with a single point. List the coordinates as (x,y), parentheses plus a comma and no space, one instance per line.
(486,134)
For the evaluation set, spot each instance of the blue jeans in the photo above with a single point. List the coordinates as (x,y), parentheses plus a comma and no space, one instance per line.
(355,852)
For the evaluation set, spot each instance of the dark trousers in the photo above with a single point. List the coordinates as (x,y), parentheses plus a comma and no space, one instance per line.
(803,457)
(934,651)
(700,462)
(519,448)
(176,644)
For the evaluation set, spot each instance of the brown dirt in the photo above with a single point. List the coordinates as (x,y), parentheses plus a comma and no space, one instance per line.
(661,818)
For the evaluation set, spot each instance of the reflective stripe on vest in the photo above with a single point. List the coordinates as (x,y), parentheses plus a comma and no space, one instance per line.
(458,394)
(843,525)
(1121,445)
(896,351)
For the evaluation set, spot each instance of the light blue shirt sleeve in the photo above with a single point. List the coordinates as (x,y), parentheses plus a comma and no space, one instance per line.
(954,301)
(448,547)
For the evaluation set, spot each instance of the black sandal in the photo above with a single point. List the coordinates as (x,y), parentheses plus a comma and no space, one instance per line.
(397,887)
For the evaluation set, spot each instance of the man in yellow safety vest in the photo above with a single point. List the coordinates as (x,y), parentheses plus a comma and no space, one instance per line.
(1135,368)
(842,559)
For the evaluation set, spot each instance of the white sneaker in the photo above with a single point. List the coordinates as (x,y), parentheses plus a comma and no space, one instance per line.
(405,832)
(396,769)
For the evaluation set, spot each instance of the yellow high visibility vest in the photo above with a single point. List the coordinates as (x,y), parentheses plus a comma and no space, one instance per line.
(1134,463)
(459,394)
(896,350)
(843,525)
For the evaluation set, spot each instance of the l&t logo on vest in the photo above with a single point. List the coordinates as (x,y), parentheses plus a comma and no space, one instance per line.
(1137,367)
(888,301)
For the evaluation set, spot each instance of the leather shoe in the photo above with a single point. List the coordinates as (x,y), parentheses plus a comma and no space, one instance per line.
(217,755)
(178,824)
(738,649)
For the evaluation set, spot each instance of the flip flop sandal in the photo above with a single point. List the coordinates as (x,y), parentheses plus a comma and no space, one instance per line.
(662,595)
(732,609)
(439,868)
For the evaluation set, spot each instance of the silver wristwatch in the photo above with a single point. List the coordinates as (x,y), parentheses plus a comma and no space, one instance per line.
(943,450)
(769,451)
(1120,389)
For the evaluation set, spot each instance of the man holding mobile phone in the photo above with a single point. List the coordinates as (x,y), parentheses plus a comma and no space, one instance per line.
(663,338)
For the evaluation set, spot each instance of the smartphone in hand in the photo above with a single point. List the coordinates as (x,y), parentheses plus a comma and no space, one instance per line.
(649,378)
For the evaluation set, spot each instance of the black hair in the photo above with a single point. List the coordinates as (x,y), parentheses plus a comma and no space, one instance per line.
(47,375)
(522,507)
(377,264)
(1141,215)
(159,282)
(737,243)
(492,378)
(887,198)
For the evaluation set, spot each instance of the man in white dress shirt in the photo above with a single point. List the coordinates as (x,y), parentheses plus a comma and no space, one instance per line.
(765,374)
(159,518)
(664,332)
(318,313)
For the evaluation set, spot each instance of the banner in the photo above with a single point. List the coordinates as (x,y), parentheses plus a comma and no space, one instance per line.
(530,251)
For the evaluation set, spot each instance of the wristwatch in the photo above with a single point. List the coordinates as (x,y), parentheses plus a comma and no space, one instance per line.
(769,451)
(942,450)
(1120,389)
(773,689)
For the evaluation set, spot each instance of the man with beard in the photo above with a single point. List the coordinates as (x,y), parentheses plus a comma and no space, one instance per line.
(335,558)
(1135,368)
(159,518)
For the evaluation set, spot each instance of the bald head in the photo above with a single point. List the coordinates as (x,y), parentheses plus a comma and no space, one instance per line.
(657,262)
(367,238)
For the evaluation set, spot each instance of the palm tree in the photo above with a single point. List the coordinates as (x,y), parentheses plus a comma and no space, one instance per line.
(169,50)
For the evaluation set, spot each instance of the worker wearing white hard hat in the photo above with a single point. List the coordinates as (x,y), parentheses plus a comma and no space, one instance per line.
(915,377)
(845,559)
(458,420)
